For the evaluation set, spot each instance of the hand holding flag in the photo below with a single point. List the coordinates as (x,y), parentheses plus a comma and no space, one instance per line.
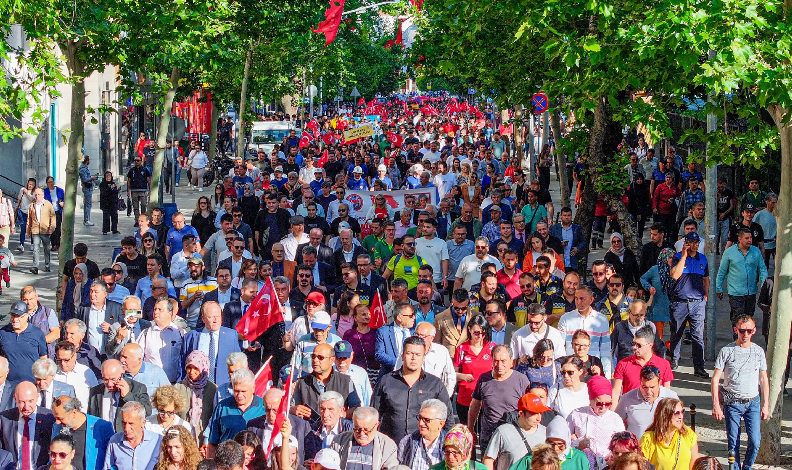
(264,312)
(283,412)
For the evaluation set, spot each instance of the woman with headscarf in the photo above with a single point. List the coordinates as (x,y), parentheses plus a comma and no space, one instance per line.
(623,260)
(198,392)
(658,282)
(592,426)
(77,292)
(122,276)
(458,449)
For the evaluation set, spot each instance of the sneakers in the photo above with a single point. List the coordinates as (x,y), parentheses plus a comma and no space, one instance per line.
(116,232)
(701,373)
(8,284)
(46,269)
(200,190)
(21,248)
(88,223)
(195,188)
(34,270)
(674,365)
(177,185)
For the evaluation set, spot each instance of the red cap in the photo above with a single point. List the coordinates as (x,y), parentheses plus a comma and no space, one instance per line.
(316,297)
(532,403)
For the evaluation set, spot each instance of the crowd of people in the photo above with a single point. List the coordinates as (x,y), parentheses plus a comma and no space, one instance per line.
(507,340)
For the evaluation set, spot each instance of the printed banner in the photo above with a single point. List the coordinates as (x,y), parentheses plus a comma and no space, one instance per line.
(359,132)
(362,201)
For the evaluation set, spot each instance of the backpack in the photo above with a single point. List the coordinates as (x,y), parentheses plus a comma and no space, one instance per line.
(398,257)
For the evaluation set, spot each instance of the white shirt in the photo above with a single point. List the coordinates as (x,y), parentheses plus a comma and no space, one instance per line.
(433,252)
(82,379)
(162,347)
(328,436)
(39,205)
(31,436)
(95,335)
(470,269)
(444,183)
(154,426)
(108,398)
(290,245)
(524,340)
(437,362)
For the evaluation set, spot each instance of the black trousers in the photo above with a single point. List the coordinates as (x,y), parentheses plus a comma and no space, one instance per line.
(109,220)
(56,235)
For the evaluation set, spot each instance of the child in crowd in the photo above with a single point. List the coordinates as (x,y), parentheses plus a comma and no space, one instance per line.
(6,261)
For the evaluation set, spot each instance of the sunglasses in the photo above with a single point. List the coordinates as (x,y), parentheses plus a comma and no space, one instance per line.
(304,276)
(679,412)
(567,372)
(603,404)
(410,244)
(615,284)
(319,356)
(118,271)
(745,331)
(58,455)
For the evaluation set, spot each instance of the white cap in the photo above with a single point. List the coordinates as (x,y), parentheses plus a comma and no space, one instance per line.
(279,168)
(317,170)
(328,459)
(357,170)
(293,443)
(382,168)
(321,320)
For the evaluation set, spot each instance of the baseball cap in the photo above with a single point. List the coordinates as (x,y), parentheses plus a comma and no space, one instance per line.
(692,237)
(328,459)
(344,225)
(195,261)
(278,442)
(343,349)
(321,320)
(284,374)
(315,297)
(19,308)
(317,170)
(279,168)
(749,207)
(532,403)
(297,220)
(495,208)
(382,168)
(357,170)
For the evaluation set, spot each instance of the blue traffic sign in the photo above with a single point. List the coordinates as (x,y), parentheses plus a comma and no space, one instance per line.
(540,103)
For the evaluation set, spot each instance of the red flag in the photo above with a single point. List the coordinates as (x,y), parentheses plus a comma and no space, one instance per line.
(378,317)
(312,124)
(418,4)
(263,379)
(389,44)
(362,101)
(323,160)
(305,140)
(264,312)
(283,410)
(399,39)
(328,139)
(317,134)
(396,139)
(331,22)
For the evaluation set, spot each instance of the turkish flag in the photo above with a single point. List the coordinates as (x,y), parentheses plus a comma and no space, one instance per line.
(418,4)
(312,124)
(317,134)
(323,160)
(305,140)
(283,410)
(389,44)
(331,22)
(263,379)
(378,317)
(362,101)
(396,139)
(264,312)
(328,139)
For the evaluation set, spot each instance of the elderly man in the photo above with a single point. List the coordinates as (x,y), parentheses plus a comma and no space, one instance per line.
(215,340)
(87,355)
(134,448)
(391,337)
(99,315)
(70,372)
(115,391)
(469,270)
(93,433)
(128,327)
(344,356)
(637,407)
(584,317)
(399,295)
(437,360)
(146,373)
(232,414)
(162,341)
(41,316)
(424,447)
(322,377)
(44,371)
(30,444)
(331,424)
(22,344)
(351,445)
(263,425)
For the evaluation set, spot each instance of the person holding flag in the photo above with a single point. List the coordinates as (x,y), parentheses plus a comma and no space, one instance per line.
(261,323)
(264,426)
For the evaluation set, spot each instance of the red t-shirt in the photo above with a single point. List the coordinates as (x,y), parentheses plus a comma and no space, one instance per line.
(629,371)
(512,284)
(469,363)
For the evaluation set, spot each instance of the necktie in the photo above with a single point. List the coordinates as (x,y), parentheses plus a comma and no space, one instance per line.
(365,282)
(212,357)
(26,444)
(43,403)
(113,407)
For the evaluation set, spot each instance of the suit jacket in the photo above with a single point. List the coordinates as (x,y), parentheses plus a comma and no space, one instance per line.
(300,429)
(327,276)
(137,392)
(9,422)
(6,460)
(232,313)
(289,267)
(443,224)
(510,329)
(313,442)
(113,312)
(47,223)
(379,284)
(98,434)
(7,400)
(323,253)
(447,334)
(227,344)
(577,242)
(386,350)
(338,258)
(212,296)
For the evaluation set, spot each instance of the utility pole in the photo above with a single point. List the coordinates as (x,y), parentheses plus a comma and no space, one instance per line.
(711,224)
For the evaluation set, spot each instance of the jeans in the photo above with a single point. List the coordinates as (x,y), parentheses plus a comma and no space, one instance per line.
(56,235)
(751,413)
(723,235)
(741,305)
(178,172)
(38,241)
(22,221)
(139,201)
(692,312)
(87,203)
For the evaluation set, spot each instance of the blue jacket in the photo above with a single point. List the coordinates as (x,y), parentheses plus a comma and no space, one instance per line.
(741,271)
(228,343)
(97,437)
(578,241)
(386,351)
(67,310)
(59,197)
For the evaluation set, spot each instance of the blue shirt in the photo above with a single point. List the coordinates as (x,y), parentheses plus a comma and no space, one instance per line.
(741,271)
(150,375)
(174,239)
(316,186)
(357,185)
(456,253)
(139,237)
(120,456)
(228,419)
(143,289)
(239,184)
(22,350)
(118,294)
(690,286)
(499,337)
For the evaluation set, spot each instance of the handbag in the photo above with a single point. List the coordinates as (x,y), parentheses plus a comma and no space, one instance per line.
(129,206)
(122,204)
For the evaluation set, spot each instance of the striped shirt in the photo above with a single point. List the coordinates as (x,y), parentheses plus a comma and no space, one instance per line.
(191,287)
(598,327)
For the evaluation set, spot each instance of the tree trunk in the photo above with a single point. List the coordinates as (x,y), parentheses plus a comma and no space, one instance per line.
(242,104)
(213,132)
(778,347)
(162,138)
(560,159)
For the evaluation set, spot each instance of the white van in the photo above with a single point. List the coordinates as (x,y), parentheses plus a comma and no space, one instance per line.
(265,134)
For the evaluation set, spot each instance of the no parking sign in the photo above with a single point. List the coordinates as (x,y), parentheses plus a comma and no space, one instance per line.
(540,102)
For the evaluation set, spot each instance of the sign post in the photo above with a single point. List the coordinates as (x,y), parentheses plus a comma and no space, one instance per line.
(539,102)
(355,93)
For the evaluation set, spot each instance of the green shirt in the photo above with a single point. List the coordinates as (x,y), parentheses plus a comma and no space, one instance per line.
(370,242)
(406,269)
(575,460)
(472,465)
(532,216)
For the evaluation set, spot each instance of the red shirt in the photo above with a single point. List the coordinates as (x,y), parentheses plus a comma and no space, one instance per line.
(629,371)
(512,284)
(469,363)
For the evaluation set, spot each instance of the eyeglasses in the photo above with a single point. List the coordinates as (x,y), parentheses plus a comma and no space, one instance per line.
(166,413)
(567,372)
(319,356)
(410,244)
(148,240)
(425,420)
(460,309)
(482,248)
(239,247)
(61,360)
(407,315)
(580,345)
(615,284)
(362,430)
(556,445)
(58,455)
(535,322)
(603,404)
(477,333)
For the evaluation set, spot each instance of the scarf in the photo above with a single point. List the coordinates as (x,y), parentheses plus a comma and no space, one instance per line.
(78,286)
(620,251)
(665,272)
(200,361)
(460,437)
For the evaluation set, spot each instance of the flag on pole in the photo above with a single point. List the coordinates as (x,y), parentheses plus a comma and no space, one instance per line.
(329,27)
(312,124)
(263,379)
(264,312)
(378,317)
(305,140)
(283,411)
(362,101)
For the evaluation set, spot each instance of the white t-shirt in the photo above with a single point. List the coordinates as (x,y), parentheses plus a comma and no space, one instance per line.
(470,269)
(524,340)
(444,183)
(433,252)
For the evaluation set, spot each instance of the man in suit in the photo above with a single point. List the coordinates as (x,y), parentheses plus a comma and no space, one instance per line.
(36,422)
(348,252)
(127,328)
(451,325)
(323,273)
(332,423)
(323,252)
(95,433)
(40,225)
(390,338)
(234,262)
(495,313)
(445,218)
(100,313)
(232,314)
(368,278)
(6,388)
(49,389)
(263,428)
(224,292)
(571,236)
(280,265)
(213,339)
(6,460)
(106,399)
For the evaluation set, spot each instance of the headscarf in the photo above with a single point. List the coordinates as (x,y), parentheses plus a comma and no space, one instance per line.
(598,386)
(79,286)
(620,251)
(200,361)
(460,437)
(559,429)
(123,268)
(665,272)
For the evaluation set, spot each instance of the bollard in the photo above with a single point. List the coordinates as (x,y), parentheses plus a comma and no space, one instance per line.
(732,460)
(693,416)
